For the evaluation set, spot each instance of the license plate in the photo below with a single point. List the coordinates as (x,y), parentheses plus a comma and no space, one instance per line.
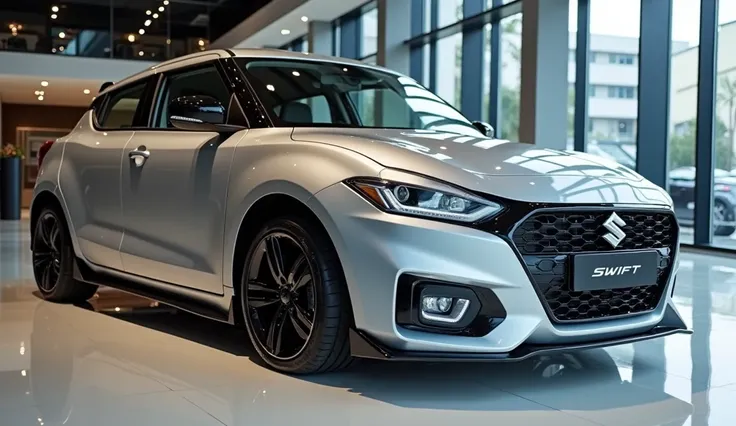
(606,271)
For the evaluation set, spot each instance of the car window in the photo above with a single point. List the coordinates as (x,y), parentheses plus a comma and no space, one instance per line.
(120,110)
(202,81)
(356,96)
(317,111)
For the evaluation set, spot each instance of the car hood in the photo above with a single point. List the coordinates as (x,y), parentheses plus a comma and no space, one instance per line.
(507,169)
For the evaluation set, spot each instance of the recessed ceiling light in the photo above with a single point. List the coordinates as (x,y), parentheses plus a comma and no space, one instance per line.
(166,2)
(270,87)
(305,19)
(54,8)
(62,34)
(200,42)
(86,91)
(131,38)
(140,53)
(53,50)
(44,83)
(61,48)
(285,32)
(53,16)
(141,31)
(161,9)
(295,73)
(37,92)
(40,97)
(155,16)
(147,23)
(148,12)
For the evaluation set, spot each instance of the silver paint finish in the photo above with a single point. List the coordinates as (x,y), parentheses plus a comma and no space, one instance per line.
(176,216)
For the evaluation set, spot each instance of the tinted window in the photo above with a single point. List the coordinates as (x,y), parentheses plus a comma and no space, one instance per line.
(202,81)
(120,110)
(305,93)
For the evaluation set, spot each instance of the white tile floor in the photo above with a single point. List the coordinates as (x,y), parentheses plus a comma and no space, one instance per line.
(151,365)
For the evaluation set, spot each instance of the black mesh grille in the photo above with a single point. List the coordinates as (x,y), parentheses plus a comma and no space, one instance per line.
(547,239)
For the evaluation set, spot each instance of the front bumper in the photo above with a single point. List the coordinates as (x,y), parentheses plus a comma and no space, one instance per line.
(376,248)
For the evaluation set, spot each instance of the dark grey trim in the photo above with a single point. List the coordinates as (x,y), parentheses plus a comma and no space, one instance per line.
(655,47)
(494,100)
(705,127)
(490,16)
(471,99)
(582,66)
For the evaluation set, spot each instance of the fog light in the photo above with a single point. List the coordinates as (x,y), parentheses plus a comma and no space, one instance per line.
(436,305)
(444,309)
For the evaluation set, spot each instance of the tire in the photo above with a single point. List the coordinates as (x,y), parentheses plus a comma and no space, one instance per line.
(724,212)
(294,298)
(53,261)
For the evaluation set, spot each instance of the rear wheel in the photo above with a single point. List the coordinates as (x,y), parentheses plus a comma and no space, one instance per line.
(295,300)
(53,261)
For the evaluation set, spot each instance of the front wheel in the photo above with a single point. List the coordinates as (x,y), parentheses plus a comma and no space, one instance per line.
(53,261)
(723,213)
(294,298)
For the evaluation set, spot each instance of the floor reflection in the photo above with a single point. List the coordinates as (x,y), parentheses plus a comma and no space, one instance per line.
(130,360)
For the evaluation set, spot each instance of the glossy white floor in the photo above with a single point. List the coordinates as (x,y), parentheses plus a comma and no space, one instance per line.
(128,361)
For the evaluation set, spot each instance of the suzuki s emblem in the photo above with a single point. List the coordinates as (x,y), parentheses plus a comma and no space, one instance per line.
(614,224)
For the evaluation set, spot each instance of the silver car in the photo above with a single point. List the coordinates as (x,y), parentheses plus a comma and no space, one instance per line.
(340,210)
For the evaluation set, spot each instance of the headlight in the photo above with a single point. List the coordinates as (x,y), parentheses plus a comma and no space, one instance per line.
(444,204)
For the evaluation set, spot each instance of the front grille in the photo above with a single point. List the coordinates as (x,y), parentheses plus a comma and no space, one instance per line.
(546,241)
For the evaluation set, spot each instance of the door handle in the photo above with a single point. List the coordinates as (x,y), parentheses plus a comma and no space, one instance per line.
(139,155)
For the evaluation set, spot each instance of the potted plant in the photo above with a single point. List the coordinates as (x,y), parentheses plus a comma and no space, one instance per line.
(11,157)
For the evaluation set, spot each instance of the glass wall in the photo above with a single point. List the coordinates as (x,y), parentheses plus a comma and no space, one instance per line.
(355,34)
(150,30)
(510,79)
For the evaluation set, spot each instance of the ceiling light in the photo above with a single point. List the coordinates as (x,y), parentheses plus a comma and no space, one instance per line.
(86,91)
(140,53)
(53,50)
(147,23)
(285,32)
(141,31)
(37,92)
(54,8)
(40,97)
(61,48)
(155,16)
(148,12)
(166,2)
(305,19)
(168,41)
(295,73)
(131,38)
(44,83)
(53,16)
(62,34)
(270,87)
(200,42)
(161,9)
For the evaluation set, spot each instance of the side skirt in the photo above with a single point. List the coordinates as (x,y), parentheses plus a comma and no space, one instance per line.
(213,306)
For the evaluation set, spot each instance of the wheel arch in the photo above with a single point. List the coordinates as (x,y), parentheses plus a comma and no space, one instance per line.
(42,199)
(268,206)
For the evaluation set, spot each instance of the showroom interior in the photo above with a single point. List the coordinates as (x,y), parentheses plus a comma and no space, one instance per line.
(647,84)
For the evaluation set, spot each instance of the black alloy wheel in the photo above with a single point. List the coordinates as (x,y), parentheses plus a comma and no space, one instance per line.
(53,260)
(47,253)
(281,295)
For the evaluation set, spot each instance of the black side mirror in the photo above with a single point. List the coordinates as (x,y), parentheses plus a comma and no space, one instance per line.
(484,128)
(199,113)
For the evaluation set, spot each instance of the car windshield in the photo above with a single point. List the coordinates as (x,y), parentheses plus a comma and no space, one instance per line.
(322,94)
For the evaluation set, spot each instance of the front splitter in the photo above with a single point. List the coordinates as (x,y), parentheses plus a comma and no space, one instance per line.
(363,346)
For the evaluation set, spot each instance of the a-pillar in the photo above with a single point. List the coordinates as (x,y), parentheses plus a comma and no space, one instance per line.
(544,62)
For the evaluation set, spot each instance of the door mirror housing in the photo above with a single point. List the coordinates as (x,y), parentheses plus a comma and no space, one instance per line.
(199,113)
(485,128)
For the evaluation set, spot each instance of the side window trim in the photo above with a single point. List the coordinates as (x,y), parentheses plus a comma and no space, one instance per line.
(106,107)
(163,85)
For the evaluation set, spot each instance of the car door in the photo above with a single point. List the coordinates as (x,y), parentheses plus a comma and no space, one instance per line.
(92,162)
(174,189)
